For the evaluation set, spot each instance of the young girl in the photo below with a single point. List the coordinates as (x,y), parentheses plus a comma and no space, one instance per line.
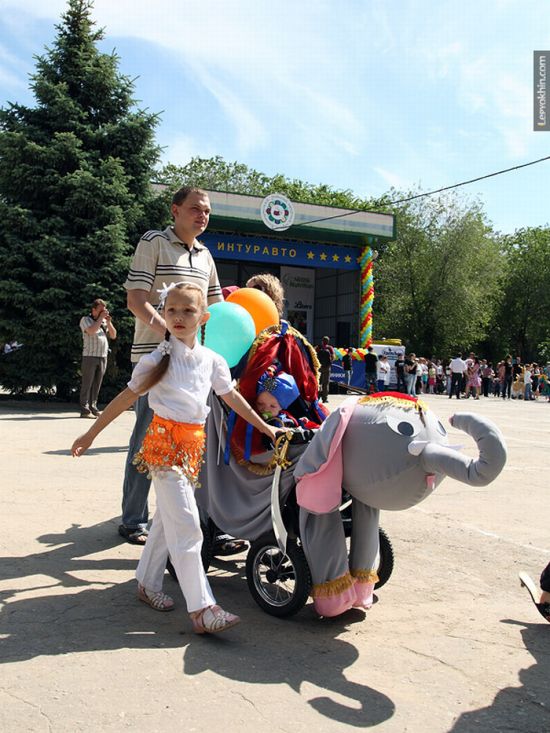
(178,377)
(432,373)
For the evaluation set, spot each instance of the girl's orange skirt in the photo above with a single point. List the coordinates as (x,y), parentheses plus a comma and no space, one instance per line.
(172,445)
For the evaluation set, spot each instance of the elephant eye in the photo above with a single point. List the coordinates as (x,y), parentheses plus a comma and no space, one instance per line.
(441,428)
(403,427)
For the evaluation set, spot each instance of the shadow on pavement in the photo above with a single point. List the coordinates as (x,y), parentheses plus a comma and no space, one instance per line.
(105,616)
(89,452)
(85,614)
(39,417)
(524,708)
(294,651)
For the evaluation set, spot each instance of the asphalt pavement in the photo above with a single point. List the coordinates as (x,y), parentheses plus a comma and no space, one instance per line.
(453,643)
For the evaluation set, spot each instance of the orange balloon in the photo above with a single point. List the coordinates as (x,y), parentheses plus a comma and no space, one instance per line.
(260,306)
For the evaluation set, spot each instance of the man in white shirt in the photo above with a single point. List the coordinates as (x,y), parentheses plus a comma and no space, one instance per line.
(171,255)
(458,368)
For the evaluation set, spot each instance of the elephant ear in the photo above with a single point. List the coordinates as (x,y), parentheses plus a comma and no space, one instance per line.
(319,471)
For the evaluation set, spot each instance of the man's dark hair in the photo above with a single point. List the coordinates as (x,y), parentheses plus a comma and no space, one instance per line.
(182,193)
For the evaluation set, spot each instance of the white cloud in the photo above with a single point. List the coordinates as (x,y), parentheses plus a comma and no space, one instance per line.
(180,150)
(13,72)
(254,59)
(395,180)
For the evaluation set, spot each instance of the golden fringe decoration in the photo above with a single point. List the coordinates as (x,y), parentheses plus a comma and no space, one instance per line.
(169,444)
(260,469)
(389,401)
(332,587)
(365,576)
(270,331)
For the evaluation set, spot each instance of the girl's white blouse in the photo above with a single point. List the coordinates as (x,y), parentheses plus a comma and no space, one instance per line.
(182,392)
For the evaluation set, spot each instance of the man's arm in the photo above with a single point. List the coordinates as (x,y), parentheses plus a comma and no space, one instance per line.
(143,310)
(96,325)
(111,330)
(214,293)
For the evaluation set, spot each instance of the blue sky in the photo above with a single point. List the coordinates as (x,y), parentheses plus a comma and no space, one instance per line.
(358,94)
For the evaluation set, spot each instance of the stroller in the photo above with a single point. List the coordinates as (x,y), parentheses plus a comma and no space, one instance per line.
(248,491)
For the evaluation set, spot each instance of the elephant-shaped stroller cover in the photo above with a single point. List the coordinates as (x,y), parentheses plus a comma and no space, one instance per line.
(237,476)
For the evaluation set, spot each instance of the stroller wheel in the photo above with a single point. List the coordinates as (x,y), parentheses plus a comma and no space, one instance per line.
(385,559)
(280,583)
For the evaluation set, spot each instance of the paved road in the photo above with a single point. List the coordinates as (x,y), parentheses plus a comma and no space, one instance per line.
(453,644)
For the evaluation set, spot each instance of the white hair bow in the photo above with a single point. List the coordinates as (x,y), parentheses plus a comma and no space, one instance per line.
(163,294)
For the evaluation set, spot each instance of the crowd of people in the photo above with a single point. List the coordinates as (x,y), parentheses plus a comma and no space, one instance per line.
(472,376)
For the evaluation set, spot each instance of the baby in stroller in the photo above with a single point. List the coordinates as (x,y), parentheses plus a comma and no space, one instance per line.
(277,391)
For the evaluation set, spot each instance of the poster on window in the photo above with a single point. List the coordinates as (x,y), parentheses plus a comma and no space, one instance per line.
(299,286)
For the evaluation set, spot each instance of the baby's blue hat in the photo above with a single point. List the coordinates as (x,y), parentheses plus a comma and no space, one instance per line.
(281,385)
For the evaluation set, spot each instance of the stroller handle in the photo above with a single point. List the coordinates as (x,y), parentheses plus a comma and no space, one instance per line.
(279,456)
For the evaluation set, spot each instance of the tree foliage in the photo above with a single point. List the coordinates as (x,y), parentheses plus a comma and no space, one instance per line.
(216,174)
(75,193)
(438,284)
(523,322)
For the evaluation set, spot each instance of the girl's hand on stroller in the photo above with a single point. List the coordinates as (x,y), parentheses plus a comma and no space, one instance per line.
(273,433)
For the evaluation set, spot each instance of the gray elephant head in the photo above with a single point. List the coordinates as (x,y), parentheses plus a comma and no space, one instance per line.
(395,452)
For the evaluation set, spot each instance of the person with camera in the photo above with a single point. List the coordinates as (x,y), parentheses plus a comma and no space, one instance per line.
(97,328)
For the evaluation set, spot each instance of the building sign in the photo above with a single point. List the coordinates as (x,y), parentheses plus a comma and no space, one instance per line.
(299,286)
(278,251)
(277,212)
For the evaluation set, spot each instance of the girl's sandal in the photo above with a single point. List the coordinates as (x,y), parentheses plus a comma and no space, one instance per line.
(527,582)
(156,599)
(212,620)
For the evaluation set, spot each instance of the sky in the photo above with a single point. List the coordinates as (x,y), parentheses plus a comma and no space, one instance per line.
(362,95)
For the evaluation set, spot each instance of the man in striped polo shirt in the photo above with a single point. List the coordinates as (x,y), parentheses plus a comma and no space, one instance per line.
(171,255)
(97,329)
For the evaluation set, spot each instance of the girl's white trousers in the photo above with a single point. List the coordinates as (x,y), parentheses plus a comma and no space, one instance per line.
(175,531)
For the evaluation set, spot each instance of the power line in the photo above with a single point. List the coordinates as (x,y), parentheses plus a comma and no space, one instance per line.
(428,193)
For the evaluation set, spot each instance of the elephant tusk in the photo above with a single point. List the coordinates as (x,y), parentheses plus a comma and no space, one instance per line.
(416,447)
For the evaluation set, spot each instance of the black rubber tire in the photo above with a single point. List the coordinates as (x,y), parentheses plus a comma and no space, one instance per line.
(206,550)
(280,584)
(385,565)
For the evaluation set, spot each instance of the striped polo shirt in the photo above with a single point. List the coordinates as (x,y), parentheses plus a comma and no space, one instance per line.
(96,344)
(161,257)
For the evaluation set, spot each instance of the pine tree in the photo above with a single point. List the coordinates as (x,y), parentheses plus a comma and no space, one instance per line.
(75,194)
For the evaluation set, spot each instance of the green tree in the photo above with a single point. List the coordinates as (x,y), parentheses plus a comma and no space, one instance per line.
(216,174)
(438,284)
(75,193)
(523,321)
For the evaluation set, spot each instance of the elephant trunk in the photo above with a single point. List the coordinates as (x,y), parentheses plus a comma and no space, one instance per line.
(439,459)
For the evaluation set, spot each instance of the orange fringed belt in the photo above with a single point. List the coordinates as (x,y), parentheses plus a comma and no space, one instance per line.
(170,444)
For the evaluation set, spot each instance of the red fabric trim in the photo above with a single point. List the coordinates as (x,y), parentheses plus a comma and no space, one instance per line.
(288,353)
